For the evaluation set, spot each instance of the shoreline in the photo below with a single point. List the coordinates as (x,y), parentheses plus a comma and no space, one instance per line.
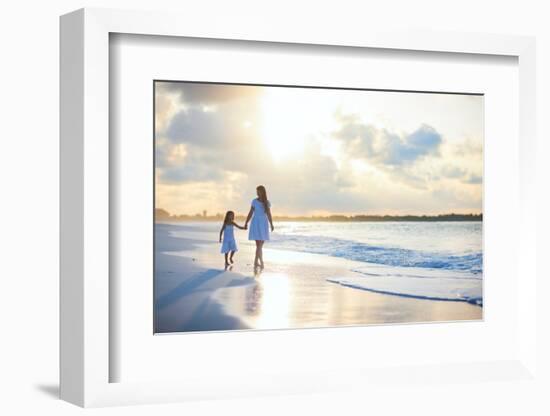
(193,292)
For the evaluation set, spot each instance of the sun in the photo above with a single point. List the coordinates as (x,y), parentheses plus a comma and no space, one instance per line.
(285,129)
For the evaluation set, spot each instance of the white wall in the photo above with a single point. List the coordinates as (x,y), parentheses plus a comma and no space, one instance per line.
(29,208)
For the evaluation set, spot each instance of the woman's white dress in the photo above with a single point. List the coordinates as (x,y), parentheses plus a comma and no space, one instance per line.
(228,242)
(259,226)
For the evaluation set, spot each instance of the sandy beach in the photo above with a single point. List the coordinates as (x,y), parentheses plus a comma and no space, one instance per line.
(194,292)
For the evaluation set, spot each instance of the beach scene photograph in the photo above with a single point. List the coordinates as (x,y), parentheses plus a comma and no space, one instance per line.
(290,207)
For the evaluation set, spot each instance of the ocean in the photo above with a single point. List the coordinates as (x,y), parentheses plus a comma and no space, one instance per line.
(437,245)
(425,260)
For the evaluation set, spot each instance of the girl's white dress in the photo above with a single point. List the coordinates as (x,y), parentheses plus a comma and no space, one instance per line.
(228,242)
(259,226)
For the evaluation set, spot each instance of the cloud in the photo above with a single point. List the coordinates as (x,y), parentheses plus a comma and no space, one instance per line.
(358,137)
(213,143)
(213,152)
(212,148)
(469,148)
(165,108)
(208,94)
(192,169)
(453,172)
(474,180)
(399,156)
(382,147)
(214,140)
(424,141)
(195,126)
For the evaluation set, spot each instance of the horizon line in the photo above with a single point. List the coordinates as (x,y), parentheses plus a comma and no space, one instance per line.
(218,214)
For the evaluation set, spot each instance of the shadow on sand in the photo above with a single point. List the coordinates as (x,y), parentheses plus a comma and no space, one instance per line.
(184,289)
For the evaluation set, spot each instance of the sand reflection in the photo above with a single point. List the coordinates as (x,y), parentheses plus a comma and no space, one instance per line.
(268,301)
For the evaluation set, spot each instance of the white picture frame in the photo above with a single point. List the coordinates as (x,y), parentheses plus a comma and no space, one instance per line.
(85,355)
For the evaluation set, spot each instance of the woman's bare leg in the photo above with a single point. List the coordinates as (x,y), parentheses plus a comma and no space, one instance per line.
(261,254)
(257,256)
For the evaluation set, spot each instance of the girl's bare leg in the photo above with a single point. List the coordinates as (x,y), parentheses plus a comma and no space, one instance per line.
(231,257)
(226,262)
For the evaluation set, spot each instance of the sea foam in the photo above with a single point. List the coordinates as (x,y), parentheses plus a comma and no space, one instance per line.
(417,283)
(387,255)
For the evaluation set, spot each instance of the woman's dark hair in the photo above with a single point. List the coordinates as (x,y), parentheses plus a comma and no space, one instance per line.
(226,220)
(262,196)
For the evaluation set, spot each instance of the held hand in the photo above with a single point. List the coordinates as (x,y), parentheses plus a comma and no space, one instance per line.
(272,228)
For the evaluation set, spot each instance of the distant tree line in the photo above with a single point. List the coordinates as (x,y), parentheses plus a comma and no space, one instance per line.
(163,215)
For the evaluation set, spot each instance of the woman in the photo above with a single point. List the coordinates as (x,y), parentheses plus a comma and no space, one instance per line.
(260,212)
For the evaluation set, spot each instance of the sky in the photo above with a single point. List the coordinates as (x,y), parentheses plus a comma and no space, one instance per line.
(317,151)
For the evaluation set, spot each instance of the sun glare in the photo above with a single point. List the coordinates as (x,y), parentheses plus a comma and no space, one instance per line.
(275,305)
(286,125)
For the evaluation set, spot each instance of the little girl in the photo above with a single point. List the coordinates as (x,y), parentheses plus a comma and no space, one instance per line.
(229,245)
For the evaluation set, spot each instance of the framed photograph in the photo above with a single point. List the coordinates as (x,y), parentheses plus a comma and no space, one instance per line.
(379,218)
(237,208)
